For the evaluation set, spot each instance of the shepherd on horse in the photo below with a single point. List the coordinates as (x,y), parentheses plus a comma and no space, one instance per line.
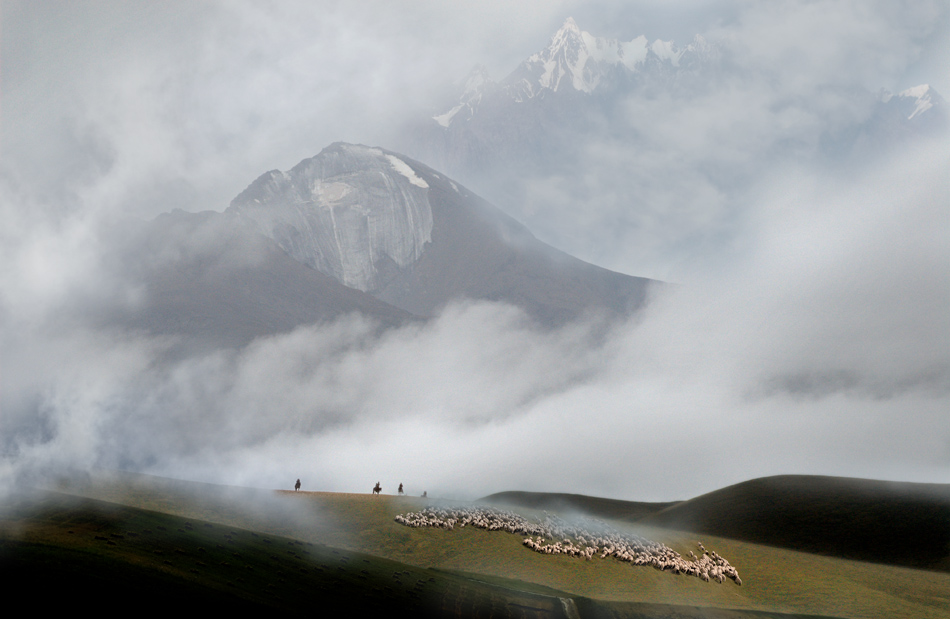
(377,488)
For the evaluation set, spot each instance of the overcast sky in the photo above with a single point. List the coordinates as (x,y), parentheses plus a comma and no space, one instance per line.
(810,333)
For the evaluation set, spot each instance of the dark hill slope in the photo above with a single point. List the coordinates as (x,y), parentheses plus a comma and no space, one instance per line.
(210,278)
(885,522)
(594,506)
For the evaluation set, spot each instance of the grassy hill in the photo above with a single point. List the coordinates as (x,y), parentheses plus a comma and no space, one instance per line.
(476,572)
(887,522)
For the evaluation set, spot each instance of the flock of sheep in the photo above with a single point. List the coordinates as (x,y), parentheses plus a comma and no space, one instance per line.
(577,541)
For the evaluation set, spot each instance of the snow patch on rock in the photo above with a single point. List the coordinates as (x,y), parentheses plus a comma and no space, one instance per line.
(446,119)
(403,168)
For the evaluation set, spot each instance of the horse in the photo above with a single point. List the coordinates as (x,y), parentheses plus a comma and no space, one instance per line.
(377,488)
(297,486)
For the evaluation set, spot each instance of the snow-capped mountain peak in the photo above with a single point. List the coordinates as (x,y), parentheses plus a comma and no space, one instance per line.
(568,38)
(914,102)
(564,57)
(924,97)
(575,61)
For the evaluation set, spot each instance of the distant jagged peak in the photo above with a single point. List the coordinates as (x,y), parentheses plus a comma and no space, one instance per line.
(921,91)
(576,60)
(568,36)
(925,98)
(916,100)
(569,26)
(918,92)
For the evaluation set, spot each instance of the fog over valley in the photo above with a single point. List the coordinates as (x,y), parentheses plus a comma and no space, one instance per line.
(244,243)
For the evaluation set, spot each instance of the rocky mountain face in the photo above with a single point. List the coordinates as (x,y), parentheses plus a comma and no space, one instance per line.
(386,225)
(353,213)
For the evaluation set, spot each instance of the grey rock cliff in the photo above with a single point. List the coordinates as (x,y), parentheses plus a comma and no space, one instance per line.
(385,224)
(351,212)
